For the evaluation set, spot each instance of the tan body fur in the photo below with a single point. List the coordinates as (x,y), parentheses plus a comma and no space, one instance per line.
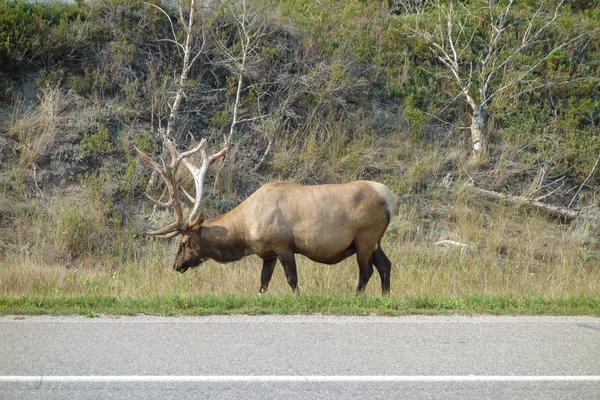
(325,223)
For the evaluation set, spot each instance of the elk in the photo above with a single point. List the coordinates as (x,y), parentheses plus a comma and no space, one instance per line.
(326,223)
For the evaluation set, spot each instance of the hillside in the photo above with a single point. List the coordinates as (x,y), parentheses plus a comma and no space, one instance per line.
(332,91)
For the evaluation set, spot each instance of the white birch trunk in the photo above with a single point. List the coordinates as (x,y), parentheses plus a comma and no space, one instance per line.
(479,145)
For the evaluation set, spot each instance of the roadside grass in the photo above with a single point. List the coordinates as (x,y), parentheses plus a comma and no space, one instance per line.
(173,305)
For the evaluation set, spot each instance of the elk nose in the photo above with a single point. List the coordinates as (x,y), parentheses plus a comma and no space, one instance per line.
(180,268)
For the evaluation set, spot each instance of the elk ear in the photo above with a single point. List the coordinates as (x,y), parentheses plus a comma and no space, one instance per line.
(196,223)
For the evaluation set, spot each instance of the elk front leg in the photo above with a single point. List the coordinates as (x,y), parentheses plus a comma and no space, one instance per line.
(267,273)
(363,277)
(365,265)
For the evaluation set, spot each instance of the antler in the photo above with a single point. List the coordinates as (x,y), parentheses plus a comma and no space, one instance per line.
(200,173)
(167,172)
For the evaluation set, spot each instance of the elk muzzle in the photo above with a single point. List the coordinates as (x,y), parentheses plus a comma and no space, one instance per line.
(180,268)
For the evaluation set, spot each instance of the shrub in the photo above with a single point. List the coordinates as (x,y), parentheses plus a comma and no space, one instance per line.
(36,33)
(79,231)
(95,144)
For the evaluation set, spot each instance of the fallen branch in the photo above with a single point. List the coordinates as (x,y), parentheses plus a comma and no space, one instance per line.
(447,243)
(557,211)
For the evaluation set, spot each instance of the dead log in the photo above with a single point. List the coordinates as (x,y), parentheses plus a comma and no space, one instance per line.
(556,211)
(448,243)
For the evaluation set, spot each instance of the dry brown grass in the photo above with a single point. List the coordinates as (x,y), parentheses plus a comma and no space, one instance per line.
(36,128)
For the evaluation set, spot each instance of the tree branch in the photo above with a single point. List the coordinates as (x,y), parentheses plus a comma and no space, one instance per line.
(585,181)
(556,211)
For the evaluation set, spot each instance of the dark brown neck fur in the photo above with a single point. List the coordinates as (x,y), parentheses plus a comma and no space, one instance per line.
(221,244)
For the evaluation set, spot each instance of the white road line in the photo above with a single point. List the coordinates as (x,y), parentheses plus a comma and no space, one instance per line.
(293,378)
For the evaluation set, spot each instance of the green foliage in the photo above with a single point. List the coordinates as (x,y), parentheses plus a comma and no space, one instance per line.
(337,27)
(415,118)
(128,179)
(48,78)
(13,181)
(219,119)
(6,94)
(131,177)
(579,153)
(95,144)
(338,73)
(21,25)
(36,32)
(99,191)
(144,142)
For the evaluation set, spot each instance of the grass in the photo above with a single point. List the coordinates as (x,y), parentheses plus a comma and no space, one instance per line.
(37,128)
(210,304)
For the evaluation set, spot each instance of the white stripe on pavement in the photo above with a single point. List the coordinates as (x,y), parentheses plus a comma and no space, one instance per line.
(294,378)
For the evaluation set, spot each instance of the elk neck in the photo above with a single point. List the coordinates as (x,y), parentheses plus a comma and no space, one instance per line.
(222,240)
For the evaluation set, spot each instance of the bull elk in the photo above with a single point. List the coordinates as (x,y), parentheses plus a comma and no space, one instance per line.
(326,223)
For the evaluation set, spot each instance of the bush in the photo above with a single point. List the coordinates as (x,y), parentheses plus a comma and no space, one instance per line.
(35,33)
(79,231)
(95,144)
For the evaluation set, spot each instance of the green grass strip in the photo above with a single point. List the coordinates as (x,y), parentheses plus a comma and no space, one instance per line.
(290,304)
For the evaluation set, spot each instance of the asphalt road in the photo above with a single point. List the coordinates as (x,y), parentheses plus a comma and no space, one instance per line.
(300,357)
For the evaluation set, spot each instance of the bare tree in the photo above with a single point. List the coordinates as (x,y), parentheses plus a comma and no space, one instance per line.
(188,50)
(247,31)
(242,57)
(484,72)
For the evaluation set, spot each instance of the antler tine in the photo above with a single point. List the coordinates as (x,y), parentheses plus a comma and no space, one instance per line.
(189,196)
(157,202)
(200,146)
(167,173)
(177,158)
(168,231)
(199,174)
(168,235)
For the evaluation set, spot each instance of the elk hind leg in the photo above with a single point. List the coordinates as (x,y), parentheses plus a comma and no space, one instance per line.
(288,260)
(384,267)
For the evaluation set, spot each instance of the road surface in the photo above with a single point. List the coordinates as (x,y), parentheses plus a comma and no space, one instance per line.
(300,357)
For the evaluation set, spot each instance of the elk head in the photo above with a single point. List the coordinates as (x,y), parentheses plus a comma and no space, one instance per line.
(189,253)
